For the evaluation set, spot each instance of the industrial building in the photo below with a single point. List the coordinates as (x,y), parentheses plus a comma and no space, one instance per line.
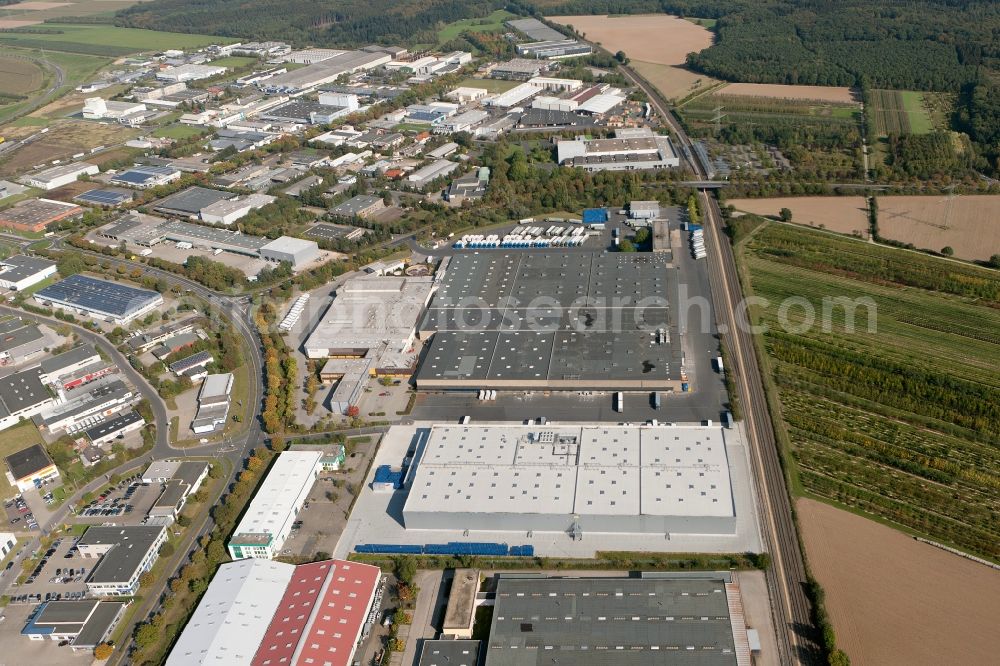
(106,197)
(184,480)
(149,231)
(260,613)
(447,652)
(115,428)
(630,150)
(20,272)
(143,342)
(469,187)
(20,341)
(228,211)
(57,176)
(518,69)
(67,363)
(362,205)
(30,468)
(460,613)
(84,623)
(125,553)
(516,96)
(644,210)
(554,49)
(189,202)
(22,396)
(86,407)
(321,73)
(307,112)
(35,215)
(373,317)
(267,522)
(213,403)
(535,29)
(465,94)
(145,176)
(95,108)
(572,479)
(101,299)
(295,251)
(553,320)
(7,542)
(655,619)
(426,175)
(189,73)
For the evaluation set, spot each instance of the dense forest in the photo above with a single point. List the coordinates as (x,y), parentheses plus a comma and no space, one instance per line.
(323,22)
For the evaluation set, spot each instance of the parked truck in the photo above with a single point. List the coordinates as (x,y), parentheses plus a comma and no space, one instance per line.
(655,399)
(619,402)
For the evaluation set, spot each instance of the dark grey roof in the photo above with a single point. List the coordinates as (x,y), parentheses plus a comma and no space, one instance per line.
(21,266)
(174,491)
(72,357)
(100,624)
(22,390)
(354,205)
(189,471)
(113,425)
(191,200)
(120,563)
(449,653)
(65,612)
(28,461)
(194,360)
(19,337)
(586,620)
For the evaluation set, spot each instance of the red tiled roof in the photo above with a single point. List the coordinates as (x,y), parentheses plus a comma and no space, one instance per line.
(321,614)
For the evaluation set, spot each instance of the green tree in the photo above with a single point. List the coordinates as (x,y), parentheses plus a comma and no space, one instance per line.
(147,633)
(406,569)
(947,251)
(785,215)
(625,245)
(70,264)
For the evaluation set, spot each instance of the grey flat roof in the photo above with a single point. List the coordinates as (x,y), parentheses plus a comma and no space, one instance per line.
(19,337)
(553,316)
(354,205)
(66,612)
(21,267)
(621,621)
(28,461)
(450,653)
(189,471)
(100,624)
(22,389)
(191,200)
(130,547)
(113,425)
(536,30)
(72,357)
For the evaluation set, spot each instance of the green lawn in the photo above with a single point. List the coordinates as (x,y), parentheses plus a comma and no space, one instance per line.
(491,85)
(178,132)
(703,22)
(13,440)
(38,285)
(235,62)
(920,120)
(106,40)
(492,23)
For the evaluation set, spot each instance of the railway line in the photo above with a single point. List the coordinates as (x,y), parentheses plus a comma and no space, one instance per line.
(786,578)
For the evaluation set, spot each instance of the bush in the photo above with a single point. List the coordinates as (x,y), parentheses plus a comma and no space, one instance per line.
(103,651)
(167,549)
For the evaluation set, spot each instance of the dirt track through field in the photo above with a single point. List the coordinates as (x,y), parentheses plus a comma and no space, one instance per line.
(896,601)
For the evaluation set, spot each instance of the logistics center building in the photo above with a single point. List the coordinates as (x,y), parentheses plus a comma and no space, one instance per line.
(575,479)
(553,320)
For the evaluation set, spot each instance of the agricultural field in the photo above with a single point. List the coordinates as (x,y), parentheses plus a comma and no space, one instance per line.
(899,112)
(18,77)
(657,45)
(896,415)
(178,131)
(822,94)
(894,600)
(492,23)
(33,13)
(970,225)
(104,40)
(845,215)
(66,138)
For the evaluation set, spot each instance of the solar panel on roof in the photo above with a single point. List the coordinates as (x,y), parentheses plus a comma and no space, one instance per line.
(104,197)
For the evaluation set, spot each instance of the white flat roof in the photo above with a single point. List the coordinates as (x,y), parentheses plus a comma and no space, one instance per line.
(567,469)
(290,473)
(234,613)
(371,310)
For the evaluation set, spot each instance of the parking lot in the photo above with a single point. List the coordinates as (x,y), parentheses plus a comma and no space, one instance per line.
(324,515)
(19,650)
(126,504)
(19,515)
(60,574)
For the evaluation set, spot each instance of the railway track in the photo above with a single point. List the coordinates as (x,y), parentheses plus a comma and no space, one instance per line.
(786,578)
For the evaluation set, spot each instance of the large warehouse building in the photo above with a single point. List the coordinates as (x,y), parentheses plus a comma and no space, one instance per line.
(572,479)
(258,613)
(687,619)
(632,149)
(268,520)
(553,320)
(111,301)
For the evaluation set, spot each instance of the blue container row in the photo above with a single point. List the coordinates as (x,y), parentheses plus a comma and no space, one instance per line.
(450,548)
